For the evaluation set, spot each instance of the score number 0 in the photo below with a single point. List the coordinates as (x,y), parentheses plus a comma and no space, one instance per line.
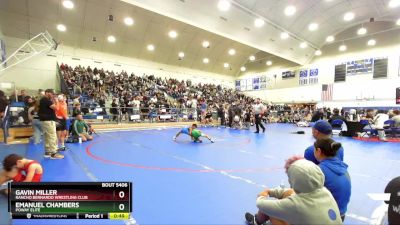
(121,195)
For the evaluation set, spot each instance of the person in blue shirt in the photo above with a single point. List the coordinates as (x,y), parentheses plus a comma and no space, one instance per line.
(337,178)
(185,130)
(321,129)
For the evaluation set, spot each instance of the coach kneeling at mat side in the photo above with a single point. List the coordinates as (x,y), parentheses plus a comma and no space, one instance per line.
(81,129)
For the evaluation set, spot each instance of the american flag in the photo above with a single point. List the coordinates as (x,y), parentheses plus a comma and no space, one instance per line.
(327,92)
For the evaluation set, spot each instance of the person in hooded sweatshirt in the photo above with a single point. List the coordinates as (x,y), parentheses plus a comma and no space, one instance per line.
(312,203)
(337,178)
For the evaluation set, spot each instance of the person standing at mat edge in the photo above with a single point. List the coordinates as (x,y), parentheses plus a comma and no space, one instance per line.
(47,116)
(259,110)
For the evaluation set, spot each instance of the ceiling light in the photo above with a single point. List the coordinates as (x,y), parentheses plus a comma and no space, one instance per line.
(181,54)
(242,68)
(61,27)
(394,3)
(172,34)
(259,22)
(226,65)
(303,45)
(290,10)
(206,60)
(343,48)
(232,51)
(348,16)
(128,21)
(371,42)
(362,31)
(330,38)
(206,44)
(269,62)
(318,52)
(252,58)
(284,35)
(224,5)
(111,39)
(68,4)
(150,47)
(313,26)
(398,22)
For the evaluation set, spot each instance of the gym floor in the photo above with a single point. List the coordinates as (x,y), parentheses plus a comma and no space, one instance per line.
(203,183)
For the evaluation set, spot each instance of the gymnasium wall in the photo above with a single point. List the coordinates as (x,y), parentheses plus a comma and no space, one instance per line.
(373,92)
(40,71)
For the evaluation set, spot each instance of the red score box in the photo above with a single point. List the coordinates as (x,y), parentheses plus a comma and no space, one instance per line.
(121,195)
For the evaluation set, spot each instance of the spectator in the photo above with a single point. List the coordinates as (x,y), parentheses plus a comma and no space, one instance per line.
(114,110)
(321,130)
(3,104)
(76,110)
(61,121)
(318,115)
(396,118)
(81,129)
(22,97)
(337,179)
(34,120)
(393,188)
(378,123)
(47,117)
(247,119)
(221,113)
(311,204)
(336,116)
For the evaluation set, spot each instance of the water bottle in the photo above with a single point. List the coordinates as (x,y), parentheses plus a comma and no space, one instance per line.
(80,140)
(131,221)
(282,185)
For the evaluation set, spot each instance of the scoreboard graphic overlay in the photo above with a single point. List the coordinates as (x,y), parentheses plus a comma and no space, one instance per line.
(65,200)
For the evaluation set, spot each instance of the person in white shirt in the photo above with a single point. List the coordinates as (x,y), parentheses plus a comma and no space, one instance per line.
(378,123)
(258,110)
(136,105)
(396,118)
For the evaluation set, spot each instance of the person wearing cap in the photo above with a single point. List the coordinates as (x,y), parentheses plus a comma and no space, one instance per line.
(321,129)
(47,116)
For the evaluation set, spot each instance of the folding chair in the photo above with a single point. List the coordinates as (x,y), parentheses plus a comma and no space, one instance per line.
(387,127)
(337,126)
(368,128)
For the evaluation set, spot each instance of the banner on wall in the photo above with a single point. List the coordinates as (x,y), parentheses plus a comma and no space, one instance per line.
(357,67)
(249,83)
(256,83)
(263,82)
(313,76)
(288,74)
(237,85)
(252,84)
(303,78)
(398,95)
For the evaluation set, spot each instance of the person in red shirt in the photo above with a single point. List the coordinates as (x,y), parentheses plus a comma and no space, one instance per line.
(20,169)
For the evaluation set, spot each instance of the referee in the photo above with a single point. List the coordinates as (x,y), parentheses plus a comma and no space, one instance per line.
(258,110)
